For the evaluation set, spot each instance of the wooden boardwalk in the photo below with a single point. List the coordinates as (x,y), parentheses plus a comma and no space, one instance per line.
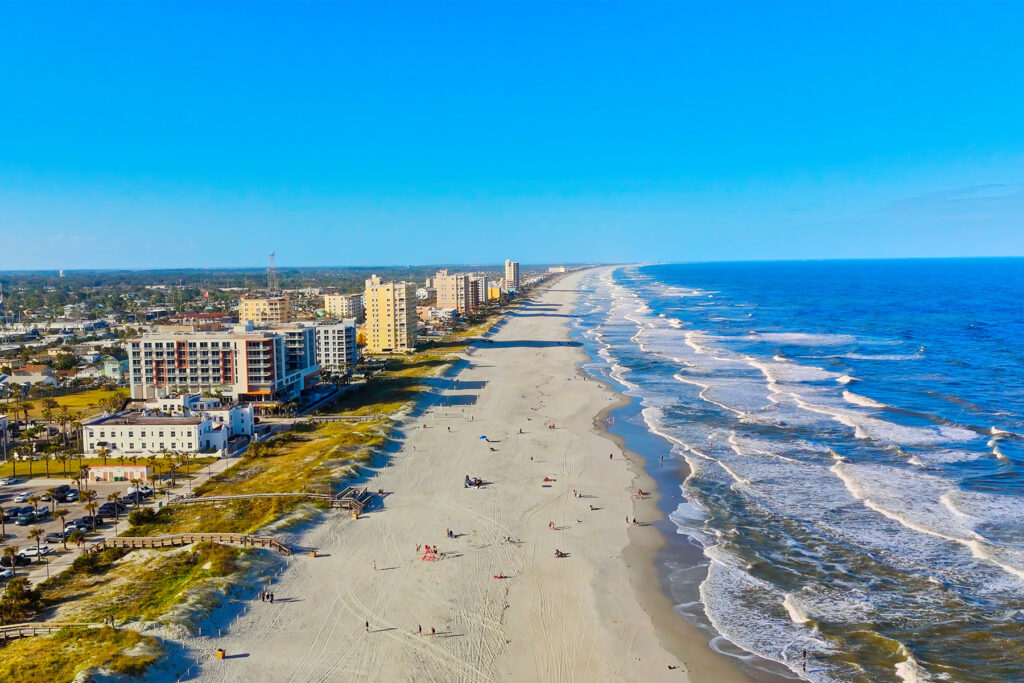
(178,540)
(13,631)
(351,498)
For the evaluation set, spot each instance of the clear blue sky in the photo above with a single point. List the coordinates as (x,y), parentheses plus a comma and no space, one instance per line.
(167,135)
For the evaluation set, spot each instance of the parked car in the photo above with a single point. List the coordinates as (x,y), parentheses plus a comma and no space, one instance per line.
(16,510)
(45,496)
(22,497)
(43,512)
(19,561)
(62,489)
(55,537)
(36,551)
(76,526)
(6,573)
(71,496)
(7,481)
(26,518)
(86,522)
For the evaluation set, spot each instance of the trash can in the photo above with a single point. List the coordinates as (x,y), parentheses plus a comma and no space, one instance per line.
(220,653)
(355,515)
(312,553)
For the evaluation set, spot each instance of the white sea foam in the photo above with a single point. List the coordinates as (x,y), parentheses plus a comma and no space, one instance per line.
(797,615)
(845,379)
(805,339)
(866,427)
(863,401)
(909,670)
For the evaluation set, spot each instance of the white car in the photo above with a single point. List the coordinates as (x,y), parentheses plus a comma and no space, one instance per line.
(6,573)
(7,481)
(23,497)
(33,551)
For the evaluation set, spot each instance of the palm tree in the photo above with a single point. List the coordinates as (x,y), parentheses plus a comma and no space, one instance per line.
(63,457)
(47,415)
(75,536)
(26,408)
(54,495)
(151,462)
(115,498)
(10,552)
(91,507)
(135,484)
(36,534)
(60,514)
(34,500)
(104,452)
(3,526)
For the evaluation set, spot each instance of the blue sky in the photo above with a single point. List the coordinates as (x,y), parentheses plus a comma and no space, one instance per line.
(173,135)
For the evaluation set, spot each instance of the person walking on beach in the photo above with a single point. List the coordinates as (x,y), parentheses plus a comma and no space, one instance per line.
(375,565)
(367,626)
(433,631)
(271,598)
(419,627)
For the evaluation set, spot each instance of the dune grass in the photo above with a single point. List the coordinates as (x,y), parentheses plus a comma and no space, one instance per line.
(135,585)
(65,654)
(308,458)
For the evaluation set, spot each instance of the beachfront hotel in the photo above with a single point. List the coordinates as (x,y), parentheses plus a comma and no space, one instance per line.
(390,316)
(512,275)
(245,364)
(262,310)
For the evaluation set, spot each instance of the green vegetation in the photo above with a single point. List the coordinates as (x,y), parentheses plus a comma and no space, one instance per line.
(19,602)
(71,466)
(308,457)
(130,585)
(65,654)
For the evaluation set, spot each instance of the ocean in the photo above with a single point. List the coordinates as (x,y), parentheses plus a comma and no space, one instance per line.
(853,435)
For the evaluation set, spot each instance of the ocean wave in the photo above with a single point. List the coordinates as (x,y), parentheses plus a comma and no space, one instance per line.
(883,431)
(921,502)
(863,401)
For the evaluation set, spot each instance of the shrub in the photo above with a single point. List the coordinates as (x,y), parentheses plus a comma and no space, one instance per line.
(142,516)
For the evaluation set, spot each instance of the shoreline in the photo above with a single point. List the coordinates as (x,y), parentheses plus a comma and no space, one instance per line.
(501,610)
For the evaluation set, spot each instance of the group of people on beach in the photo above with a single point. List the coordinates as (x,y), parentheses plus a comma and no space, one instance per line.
(266,596)
(475,481)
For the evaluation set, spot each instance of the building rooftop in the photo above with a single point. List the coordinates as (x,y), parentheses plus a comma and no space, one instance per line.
(144,419)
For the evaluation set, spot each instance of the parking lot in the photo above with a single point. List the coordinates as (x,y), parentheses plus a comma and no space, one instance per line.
(17,535)
(58,558)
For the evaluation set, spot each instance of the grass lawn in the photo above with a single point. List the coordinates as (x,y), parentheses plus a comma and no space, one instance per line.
(85,402)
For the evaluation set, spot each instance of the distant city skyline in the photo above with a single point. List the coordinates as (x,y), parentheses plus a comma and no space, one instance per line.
(200,135)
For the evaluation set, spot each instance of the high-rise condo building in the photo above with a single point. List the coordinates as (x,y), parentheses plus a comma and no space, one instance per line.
(343,306)
(512,275)
(390,316)
(263,310)
(453,291)
(336,346)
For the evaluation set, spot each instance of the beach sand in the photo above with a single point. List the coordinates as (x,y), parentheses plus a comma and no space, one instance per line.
(590,616)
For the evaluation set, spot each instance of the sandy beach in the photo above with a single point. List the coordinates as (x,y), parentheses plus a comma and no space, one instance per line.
(356,610)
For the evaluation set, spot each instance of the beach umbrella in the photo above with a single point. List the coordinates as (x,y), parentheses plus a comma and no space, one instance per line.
(483,437)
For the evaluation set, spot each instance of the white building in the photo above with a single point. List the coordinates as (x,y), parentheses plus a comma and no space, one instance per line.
(336,349)
(139,433)
(237,418)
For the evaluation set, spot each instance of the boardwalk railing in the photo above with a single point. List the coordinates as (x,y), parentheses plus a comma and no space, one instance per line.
(178,540)
(12,631)
(351,498)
